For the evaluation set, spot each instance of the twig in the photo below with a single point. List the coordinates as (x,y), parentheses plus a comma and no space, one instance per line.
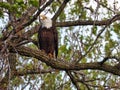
(99,34)
(81,80)
(73,80)
(102,4)
(37,14)
(60,10)
(110,57)
(22,73)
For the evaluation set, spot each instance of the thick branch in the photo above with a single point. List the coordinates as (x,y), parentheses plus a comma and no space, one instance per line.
(81,22)
(63,65)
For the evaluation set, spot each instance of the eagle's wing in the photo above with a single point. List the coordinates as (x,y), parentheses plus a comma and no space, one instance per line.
(39,37)
(56,41)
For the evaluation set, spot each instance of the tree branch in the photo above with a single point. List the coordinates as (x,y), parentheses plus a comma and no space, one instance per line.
(111,57)
(60,10)
(99,34)
(22,73)
(34,30)
(25,19)
(37,14)
(74,81)
(63,65)
(88,22)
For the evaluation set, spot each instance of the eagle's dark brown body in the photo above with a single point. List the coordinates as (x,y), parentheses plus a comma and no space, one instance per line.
(48,40)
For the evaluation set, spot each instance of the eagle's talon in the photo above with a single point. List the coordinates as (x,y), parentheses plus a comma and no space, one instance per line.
(50,55)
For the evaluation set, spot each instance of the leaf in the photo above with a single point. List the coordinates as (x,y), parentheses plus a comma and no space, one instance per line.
(94,29)
(63,48)
(17,81)
(62,16)
(5,5)
(86,0)
(34,3)
(54,6)
(20,2)
(1,13)
(116,28)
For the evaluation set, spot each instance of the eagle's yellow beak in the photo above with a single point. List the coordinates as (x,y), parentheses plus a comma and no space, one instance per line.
(43,17)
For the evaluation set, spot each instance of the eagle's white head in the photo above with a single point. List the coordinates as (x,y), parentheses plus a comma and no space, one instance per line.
(46,21)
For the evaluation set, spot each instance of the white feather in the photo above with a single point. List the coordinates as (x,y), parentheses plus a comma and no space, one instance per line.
(47,22)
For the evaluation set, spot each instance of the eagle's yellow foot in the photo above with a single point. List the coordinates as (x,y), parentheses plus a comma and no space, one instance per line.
(50,55)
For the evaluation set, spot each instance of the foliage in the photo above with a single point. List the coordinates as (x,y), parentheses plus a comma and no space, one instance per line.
(77,44)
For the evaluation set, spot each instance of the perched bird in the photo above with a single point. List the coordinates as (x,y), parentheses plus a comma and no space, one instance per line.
(48,37)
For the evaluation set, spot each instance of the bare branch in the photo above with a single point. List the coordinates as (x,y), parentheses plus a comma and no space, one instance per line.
(60,10)
(73,80)
(102,4)
(110,57)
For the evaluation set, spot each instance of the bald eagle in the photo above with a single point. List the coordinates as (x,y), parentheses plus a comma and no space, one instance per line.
(48,37)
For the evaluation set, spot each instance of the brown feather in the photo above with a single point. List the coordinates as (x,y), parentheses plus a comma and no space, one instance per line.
(48,40)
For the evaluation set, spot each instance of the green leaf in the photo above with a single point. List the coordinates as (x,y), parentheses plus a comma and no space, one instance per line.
(86,0)
(62,16)
(19,2)
(5,5)
(34,3)
(1,13)
(54,6)
(116,28)
(94,29)
(63,48)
